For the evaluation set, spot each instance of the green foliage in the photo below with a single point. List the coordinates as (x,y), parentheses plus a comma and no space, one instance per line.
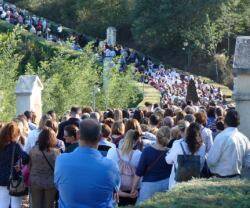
(204,193)
(9,62)
(69,77)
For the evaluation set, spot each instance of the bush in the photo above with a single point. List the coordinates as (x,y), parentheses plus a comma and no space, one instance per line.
(204,193)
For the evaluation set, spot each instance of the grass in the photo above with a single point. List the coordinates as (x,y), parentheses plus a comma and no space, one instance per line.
(150,94)
(225,90)
(210,193)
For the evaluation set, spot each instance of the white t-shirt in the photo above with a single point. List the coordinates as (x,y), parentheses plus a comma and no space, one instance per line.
(112,154)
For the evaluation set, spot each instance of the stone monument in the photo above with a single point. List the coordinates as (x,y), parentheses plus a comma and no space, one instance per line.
(28,95)
(111,36)
(241,68)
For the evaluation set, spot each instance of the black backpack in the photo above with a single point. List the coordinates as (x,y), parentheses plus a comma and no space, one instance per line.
(188,167)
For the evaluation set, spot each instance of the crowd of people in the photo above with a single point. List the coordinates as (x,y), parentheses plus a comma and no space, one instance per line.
(40,26)
(90,158)
(171,83)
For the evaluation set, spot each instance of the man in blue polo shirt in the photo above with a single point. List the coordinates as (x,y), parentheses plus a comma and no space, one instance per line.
(84,177)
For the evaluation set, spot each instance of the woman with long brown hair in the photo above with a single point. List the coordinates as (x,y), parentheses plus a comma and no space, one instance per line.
(10,151)
(42,162)
(192,144)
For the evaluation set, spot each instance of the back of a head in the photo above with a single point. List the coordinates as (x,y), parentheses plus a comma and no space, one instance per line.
(47,139)
(133,124)
(232,118)
(163,136)
(190,118)
(118,128)
(85,116)
(90,131)
(106,131)
(28,114)
(9,133)
(138,115)
(183,125)
(95,116)
(130,139)
(201,118)
(52,124)
(87,110)
(211,112)
(154,120)
(168,121)
(193,137)
(75,111)
(43,121)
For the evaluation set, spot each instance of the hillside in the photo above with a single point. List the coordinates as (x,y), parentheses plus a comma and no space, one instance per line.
(160,29)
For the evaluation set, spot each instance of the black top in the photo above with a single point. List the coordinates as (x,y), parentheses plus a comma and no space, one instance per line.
(5,161)
(160,169)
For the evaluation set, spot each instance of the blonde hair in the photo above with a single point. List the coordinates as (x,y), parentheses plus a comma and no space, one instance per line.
(163,136)
(175,133)
(118,115)
(131,137)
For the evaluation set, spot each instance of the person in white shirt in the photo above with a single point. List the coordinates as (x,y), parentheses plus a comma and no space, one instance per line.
(192,144)
(226,156)
(33,135)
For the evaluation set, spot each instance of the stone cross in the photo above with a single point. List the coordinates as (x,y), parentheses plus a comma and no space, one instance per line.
(111,36)
(241,68)
(28,95)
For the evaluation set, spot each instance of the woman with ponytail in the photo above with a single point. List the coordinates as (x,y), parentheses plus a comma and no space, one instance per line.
(192,145)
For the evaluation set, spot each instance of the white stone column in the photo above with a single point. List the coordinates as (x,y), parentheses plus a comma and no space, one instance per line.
(242,82)
(28,95)
(111,36)
(241,68)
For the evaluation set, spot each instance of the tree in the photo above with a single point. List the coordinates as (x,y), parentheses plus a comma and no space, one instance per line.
(9,62)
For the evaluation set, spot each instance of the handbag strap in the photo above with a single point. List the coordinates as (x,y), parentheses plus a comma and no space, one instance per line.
(12,160)
(184,153)
(51,167)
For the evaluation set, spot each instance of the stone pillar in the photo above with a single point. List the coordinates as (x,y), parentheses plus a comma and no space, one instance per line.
(241,68)
(111,36)
(28,95)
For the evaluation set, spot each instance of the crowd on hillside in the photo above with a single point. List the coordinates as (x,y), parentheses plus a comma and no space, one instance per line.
(89,158)
(40,26)
(171,83)
(117,157)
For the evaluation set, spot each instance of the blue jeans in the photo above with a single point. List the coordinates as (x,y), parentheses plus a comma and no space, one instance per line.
(148,189)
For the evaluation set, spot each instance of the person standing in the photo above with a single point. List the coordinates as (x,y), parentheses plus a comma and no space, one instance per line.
(73,120)
(9,148)
(153,168)
(42,162)
(84,178)
(226,156)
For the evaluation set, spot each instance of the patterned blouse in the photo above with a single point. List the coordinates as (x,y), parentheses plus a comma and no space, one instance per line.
(41,174)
